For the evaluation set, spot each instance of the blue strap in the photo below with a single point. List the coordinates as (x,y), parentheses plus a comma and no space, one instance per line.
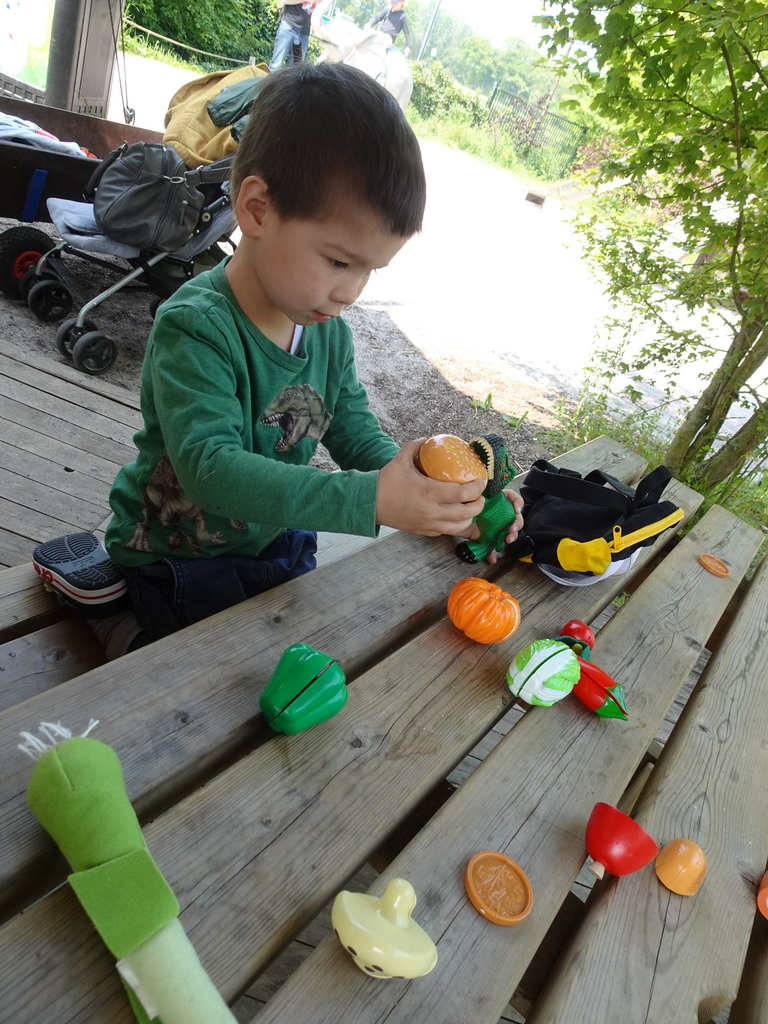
(34,194)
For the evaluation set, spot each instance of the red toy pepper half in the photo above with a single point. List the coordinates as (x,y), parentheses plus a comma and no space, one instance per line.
(599,692)
(616,842)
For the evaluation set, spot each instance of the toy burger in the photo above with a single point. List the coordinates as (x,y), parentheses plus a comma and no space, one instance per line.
(446,457)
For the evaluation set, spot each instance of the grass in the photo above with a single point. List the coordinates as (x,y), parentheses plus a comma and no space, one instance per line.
(144,46)
(492,147)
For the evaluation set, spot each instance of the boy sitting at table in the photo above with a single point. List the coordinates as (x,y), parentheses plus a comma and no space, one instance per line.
(250,365)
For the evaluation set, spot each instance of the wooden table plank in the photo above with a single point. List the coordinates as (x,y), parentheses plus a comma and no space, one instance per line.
(47,484)
(19,416)
(59,452)
(243,899)
(531,799)
(21,520)
(193,696)
(24,603)
(95,393)
(683,956)
(15,548)
(751,1006)
(63,438)
(36,662)
(110,419)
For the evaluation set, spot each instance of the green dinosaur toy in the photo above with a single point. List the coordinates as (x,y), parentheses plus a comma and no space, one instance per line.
(498,514)
(77,793)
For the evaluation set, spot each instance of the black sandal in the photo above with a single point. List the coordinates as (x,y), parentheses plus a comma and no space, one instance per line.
(79,571)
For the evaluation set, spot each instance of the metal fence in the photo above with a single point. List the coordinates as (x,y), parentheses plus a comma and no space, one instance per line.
(548,140)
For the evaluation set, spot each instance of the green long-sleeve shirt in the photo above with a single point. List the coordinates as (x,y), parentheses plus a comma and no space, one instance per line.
(230,423)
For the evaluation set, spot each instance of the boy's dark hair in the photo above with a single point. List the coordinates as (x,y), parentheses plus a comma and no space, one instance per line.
(318,132)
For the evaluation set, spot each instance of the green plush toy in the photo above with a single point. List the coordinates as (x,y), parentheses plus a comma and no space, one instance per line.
(77,793)
(499,513)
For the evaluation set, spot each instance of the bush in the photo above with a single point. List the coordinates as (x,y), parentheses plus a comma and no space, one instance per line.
(233,28)
(435,94)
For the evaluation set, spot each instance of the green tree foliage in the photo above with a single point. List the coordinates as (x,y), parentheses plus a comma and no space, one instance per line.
(685,85)
(232,28)
(478,64)
(447,31)
(436,95)
(360,11)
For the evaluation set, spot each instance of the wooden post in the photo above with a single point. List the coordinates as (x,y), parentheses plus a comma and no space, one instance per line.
(63,52)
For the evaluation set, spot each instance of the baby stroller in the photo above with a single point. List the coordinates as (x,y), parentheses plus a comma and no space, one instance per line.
(31,267)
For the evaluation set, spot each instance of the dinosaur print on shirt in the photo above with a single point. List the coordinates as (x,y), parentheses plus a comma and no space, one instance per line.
(300,412)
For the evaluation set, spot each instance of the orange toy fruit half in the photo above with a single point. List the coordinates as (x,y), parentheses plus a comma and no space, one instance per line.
(681,866)
(498,888)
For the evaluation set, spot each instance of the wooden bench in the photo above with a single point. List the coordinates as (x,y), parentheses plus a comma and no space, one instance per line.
(256,832)
(65,435)
(641,953)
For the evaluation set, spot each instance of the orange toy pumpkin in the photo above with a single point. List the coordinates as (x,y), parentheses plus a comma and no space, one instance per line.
(483,611)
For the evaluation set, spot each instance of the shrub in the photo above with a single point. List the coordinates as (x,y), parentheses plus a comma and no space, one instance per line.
(435,94)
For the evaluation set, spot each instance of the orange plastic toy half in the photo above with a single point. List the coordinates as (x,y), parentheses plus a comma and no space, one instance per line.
(498,888)
(714,565)
(681,866)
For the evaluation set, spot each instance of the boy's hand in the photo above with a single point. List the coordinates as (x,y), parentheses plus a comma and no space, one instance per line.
(473,533)
(407,500)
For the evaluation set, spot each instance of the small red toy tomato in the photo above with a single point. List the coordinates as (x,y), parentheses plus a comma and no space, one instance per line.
(616,843)
(579,631)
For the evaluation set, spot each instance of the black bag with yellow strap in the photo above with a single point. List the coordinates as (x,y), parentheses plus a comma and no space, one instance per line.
(584,524)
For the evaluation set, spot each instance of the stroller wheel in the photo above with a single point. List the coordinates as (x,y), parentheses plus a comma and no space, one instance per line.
(69,333)
(31,277)
(94,353)
(49,300)
(20,250)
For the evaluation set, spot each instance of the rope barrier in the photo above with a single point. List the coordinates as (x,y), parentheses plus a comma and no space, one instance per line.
(175,42)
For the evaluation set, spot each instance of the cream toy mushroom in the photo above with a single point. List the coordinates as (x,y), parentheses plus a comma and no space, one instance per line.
(380,935)
(78,795)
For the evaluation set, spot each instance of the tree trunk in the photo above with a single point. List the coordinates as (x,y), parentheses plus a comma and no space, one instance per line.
(700,427)
(735,450)
(753,353)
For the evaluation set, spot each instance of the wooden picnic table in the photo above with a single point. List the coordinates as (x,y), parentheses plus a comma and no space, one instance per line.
(257,832)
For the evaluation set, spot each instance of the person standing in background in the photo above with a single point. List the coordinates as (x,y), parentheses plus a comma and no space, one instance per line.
(292,36)
(393,20)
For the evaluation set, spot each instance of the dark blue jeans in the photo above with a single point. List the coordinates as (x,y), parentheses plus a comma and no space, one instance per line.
(172,593)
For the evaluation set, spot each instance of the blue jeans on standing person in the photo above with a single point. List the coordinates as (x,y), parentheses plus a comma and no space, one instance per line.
(285,39)
(172,593)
